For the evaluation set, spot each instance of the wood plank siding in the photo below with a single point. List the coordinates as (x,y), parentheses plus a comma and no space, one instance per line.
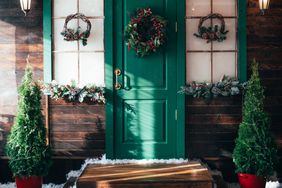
(19,36)
(211,127)
(78,131)
(265,44)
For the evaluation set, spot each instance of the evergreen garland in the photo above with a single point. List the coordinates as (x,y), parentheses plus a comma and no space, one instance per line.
(72,93)
(255,151)
(227,86)
(26,146)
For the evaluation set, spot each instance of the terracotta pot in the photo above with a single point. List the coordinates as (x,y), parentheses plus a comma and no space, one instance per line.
(29,182)
(251,181)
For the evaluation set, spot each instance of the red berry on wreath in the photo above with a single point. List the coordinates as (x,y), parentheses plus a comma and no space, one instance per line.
(129,46)
(205,36)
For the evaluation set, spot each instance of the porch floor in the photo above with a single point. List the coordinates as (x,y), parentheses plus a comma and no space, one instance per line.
(188,175)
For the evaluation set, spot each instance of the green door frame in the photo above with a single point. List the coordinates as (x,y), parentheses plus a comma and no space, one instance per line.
(181,64)
(242,40)
(47,40)
(108,42)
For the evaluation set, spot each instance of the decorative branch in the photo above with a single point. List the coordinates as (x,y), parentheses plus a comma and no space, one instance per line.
(72,93)
(227,86)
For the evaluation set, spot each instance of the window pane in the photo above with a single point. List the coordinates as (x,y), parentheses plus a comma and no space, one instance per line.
(59,43)
(92,69)
(224,64)
(63,8)
(198,7)
(91,7)
(225,7)
(198,67)
(230,42)
(66,67)
(192,42)
(224,59)
(96,39)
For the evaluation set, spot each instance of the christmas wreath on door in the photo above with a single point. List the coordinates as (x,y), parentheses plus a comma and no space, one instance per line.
(146,32)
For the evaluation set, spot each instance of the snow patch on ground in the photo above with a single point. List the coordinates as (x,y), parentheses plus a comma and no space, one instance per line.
(273,185)
(13,185)
(105,161)
(8,185)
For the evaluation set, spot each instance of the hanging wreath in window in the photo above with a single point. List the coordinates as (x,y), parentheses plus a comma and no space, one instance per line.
(145,32)
(76,34)
(212,33)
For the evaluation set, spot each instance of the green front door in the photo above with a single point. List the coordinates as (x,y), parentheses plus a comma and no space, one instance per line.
(144,109)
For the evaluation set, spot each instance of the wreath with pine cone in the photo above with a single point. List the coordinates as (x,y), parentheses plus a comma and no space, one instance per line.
(72,34)
(146,32)
(212,33)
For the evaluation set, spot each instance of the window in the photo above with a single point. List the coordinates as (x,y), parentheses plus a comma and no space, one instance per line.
(210,61)
(66,61)
(72,60)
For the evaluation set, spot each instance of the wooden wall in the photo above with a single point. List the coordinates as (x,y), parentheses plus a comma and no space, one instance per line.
(20,36)
(78,131)
(265,44)
(212,127)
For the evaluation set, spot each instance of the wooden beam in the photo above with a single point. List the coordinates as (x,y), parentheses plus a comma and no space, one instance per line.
(47,122)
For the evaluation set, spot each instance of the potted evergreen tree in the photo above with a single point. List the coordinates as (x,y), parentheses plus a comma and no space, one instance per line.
(255,153)
(30,156)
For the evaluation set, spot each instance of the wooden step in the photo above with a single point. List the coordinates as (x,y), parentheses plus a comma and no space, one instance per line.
(187,175)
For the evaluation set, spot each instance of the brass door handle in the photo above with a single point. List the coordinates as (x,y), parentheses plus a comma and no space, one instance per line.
(117,73)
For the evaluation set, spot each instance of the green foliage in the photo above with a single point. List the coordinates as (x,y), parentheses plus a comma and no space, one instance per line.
(72,93)
(76,34)
(145,32)
(211,33)
(227,86)
(26,146)
(255,151)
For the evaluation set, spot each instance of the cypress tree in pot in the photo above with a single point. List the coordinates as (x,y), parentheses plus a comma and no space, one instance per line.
(30,156)
(255,153)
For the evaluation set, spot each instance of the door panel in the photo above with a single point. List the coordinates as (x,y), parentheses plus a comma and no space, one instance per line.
(139,70)
(144,108)
(147,124)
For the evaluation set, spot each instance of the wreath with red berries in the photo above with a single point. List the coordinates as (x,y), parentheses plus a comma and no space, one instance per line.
(146,32)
